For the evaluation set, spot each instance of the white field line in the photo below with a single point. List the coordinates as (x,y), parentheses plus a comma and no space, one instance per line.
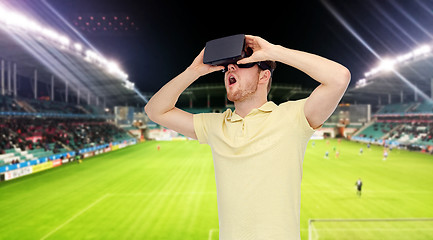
(75,216)
(160,193)
(210,233)
(120,195)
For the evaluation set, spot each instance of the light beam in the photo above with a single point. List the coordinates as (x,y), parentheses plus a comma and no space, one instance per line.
(385,64)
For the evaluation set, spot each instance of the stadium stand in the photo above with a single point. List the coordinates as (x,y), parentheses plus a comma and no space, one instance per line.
(422,108)
(38,134)
(408,125)
(9,105)
(376,130)
(414,133)
(55,90)
(406,109)
(53,106)
(25,137)
(395,108)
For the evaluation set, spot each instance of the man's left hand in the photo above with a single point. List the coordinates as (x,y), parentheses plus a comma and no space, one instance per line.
(261,49)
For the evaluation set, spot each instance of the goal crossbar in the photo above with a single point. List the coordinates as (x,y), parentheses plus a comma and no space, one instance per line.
(367,219)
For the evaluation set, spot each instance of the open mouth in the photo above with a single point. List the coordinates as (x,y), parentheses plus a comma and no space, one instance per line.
(232,80)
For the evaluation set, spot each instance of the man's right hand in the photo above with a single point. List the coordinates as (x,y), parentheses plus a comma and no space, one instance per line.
(200,69)
(161,107)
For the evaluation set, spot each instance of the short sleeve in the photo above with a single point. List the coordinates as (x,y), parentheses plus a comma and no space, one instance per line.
(201,127)
(303,118)
(296,110)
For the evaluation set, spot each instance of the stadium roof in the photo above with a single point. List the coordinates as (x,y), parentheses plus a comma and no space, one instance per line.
(407,78)
(33,46)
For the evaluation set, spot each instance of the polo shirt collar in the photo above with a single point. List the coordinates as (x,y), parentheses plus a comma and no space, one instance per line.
(267,107)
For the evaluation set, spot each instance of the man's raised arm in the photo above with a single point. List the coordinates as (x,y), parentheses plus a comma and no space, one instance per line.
(161,107)
(334,78)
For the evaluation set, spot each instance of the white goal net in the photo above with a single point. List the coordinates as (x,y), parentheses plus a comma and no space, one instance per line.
(371,229)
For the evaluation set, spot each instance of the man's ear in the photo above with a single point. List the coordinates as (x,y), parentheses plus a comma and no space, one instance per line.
(264,76)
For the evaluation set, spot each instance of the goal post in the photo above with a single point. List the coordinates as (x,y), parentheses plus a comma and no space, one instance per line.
(373,228)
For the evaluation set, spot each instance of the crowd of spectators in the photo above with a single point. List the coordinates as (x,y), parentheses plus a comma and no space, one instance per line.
(51,134)
(419,130)
(55,134)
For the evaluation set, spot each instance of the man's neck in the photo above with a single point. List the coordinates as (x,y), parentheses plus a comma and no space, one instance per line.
(244,107)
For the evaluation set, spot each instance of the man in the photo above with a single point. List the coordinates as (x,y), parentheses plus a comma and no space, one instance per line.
(259,148)
(385,154)
(358,187)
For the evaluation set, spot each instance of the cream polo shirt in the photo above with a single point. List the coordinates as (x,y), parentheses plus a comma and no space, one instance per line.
(258,169)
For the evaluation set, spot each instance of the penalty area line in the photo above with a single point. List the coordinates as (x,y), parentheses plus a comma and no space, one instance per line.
(75,216)
(211,231)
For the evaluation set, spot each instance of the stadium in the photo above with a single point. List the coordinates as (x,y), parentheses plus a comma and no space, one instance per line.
(80,158)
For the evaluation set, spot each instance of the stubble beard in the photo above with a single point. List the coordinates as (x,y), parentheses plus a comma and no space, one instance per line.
(240,94)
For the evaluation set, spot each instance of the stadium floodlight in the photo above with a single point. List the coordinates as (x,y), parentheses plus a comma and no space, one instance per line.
(129,85)
(78,47)
(12,19)
(35,27)
(90,55)
(361,83)
(405,57)
(372,72)
(112,67)
(101,60)
(15,19)
(64,40)
(49,33)
(422,50)
(387,64)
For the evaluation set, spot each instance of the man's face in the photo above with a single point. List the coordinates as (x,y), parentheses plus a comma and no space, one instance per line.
(241,83)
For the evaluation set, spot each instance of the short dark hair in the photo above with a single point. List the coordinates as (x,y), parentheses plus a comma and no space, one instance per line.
(270,65)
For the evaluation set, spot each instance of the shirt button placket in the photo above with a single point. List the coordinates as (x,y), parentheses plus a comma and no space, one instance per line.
(243,127)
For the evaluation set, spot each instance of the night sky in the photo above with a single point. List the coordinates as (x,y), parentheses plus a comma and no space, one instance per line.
(165,36)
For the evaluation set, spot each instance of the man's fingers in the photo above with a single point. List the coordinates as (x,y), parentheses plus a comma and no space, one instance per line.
(246,60)
(219,68)
(249,38)
(251,44)
(216,68)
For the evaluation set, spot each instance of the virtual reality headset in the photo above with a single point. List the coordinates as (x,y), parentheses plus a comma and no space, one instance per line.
(226,50)
(229,50)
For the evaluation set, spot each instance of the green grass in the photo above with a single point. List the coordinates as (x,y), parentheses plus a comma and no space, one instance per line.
(141,193)
(400,187)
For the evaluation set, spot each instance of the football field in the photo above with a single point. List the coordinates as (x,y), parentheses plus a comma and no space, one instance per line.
(140,192)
